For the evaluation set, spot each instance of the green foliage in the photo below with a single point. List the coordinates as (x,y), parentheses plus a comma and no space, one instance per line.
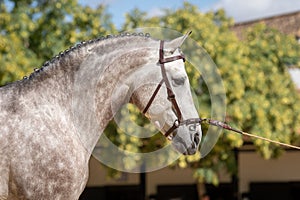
(270,95)
(34,31)
(206,175)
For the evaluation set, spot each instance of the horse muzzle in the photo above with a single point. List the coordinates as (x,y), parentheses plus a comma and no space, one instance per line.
(186,140)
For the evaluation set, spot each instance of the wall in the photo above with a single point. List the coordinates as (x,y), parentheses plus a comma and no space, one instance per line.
(286,23)
(253,168)
(165,176)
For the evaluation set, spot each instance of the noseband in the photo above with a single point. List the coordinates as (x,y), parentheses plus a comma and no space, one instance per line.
(171,96)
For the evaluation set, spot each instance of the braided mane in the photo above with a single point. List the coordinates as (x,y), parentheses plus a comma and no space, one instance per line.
(78,47)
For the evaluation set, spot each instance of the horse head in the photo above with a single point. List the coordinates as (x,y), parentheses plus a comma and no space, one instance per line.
(166,100)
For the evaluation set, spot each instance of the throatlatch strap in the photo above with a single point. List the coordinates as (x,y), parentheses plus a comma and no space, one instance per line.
(153,96)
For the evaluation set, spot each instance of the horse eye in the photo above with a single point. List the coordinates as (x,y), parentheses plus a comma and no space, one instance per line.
(178,81)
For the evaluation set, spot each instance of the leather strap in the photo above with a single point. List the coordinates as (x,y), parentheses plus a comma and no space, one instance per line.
(153,96)
(171,95)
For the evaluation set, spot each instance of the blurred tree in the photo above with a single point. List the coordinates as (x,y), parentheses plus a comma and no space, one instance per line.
(261,97)
(34,31)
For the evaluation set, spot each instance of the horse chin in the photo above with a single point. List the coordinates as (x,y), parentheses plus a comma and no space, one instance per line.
(190,151)
(182,148)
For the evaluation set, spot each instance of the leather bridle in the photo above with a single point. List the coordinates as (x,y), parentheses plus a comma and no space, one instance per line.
(171,96)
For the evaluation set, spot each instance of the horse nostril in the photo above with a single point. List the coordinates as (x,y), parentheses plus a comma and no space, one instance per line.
(196,138)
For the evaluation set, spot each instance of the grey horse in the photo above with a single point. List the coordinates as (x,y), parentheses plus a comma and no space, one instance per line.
(51,121)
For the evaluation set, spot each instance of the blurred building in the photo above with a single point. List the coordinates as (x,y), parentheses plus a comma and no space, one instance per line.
(286,23)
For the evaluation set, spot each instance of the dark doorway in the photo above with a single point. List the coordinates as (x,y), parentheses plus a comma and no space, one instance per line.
(178,192)
(275,190)
(128,192)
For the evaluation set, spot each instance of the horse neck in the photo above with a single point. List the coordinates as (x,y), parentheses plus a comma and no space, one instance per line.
(83,84)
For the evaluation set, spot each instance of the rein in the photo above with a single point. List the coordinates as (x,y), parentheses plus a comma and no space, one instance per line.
(227,127)
(179,121)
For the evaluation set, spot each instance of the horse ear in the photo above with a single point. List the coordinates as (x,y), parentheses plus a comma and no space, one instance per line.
(176,43)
